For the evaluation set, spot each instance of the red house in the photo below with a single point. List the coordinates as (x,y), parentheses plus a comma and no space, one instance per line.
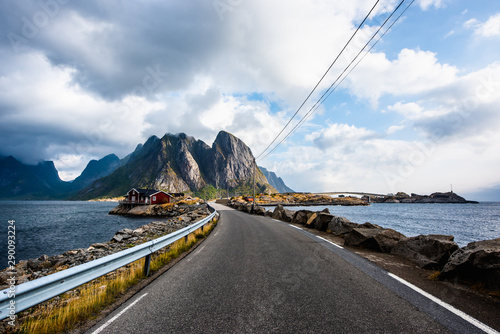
(147,196)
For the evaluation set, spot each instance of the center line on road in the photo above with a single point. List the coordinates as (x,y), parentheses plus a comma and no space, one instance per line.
(331,242)
(100,329)
(447,306)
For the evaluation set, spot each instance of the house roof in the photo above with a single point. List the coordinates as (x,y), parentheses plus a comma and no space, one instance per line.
(148,192)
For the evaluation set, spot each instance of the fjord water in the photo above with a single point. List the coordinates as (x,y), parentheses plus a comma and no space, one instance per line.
(466,222)
(54,227)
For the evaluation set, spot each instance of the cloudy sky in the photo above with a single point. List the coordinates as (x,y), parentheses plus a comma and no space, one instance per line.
(83,79)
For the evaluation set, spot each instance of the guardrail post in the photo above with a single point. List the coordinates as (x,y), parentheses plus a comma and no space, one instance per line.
(186,239)
(147,261)
(202,228)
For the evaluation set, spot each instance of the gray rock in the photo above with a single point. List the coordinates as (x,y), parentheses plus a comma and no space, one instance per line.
(322,220)
(427,251)
(287,215)
(278,212)
(259,210)
(311,220)
(341,226)
(378,239)
(301,216)
(479,261)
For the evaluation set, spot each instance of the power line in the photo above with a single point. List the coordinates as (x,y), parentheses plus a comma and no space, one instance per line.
(330,90)
(321,79)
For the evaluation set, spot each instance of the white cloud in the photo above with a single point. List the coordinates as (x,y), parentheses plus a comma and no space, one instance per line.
(490,28)
(413,72)
(426,4)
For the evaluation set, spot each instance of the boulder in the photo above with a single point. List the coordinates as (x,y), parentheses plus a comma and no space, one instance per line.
(322,220)
(369,225)
(259,210)
(277,212)
(378,239)
(479,261)
(287,215)
(301,216)
(427,251)
(310,221)
(340,226)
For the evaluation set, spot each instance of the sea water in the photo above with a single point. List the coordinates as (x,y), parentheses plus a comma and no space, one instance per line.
(466,222)
(54,227)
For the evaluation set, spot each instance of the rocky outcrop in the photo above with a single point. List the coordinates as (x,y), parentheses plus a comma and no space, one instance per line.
(179,163)
(449,197)
(156,210)
(275,181)
(479,261)
(427,251)
(378,239)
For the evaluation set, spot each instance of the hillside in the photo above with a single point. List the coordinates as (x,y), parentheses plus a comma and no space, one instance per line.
(275,181)
(180,163)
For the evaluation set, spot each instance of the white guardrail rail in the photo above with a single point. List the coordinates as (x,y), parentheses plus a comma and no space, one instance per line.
(34,292)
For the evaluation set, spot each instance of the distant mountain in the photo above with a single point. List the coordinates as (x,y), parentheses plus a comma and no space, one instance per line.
(41,181)
(275,181)
(21,181)
(180,163)
(96,169)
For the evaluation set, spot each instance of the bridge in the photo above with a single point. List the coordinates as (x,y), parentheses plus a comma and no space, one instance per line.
(350,193)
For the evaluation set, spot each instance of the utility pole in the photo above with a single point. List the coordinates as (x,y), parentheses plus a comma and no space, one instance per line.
(253,202)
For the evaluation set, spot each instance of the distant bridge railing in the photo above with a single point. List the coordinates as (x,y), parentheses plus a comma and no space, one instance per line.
(34,292)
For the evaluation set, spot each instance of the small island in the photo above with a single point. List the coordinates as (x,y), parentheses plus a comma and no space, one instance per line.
(401,197)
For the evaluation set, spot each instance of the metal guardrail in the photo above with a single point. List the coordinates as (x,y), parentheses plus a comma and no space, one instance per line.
(34,292)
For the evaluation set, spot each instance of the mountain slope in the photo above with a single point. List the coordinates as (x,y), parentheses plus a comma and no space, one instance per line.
(179,163)
(95,170)
(275,181)
(21,181)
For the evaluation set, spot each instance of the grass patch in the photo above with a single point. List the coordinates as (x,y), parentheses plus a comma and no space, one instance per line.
(66,311)
(434,276)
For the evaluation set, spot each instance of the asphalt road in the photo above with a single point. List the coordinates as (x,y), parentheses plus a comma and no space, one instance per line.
(257,275)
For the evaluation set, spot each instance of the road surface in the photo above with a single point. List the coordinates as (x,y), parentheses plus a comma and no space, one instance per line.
(257,275)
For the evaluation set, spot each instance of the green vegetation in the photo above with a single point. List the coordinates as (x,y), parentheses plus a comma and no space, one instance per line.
(207,192)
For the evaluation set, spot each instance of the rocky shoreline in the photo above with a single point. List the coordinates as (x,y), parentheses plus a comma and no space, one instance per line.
(478,263)
(449,197)
(180,216)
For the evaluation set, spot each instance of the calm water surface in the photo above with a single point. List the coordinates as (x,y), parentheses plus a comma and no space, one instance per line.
(467,222)
(53,227)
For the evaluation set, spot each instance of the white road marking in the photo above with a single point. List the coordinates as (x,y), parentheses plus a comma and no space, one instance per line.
(195,253)
(100,329)
(298,228)
(276,220)
(447,306)
(216,232)
(331,242)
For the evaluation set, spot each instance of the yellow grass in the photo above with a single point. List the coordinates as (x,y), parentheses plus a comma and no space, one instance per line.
(66,311)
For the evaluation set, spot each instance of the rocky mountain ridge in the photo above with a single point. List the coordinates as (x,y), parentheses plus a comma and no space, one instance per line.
(173,163)
(276,181)
(180,163)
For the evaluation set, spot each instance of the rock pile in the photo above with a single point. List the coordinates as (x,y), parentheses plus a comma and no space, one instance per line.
(45,265)
(478,262)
